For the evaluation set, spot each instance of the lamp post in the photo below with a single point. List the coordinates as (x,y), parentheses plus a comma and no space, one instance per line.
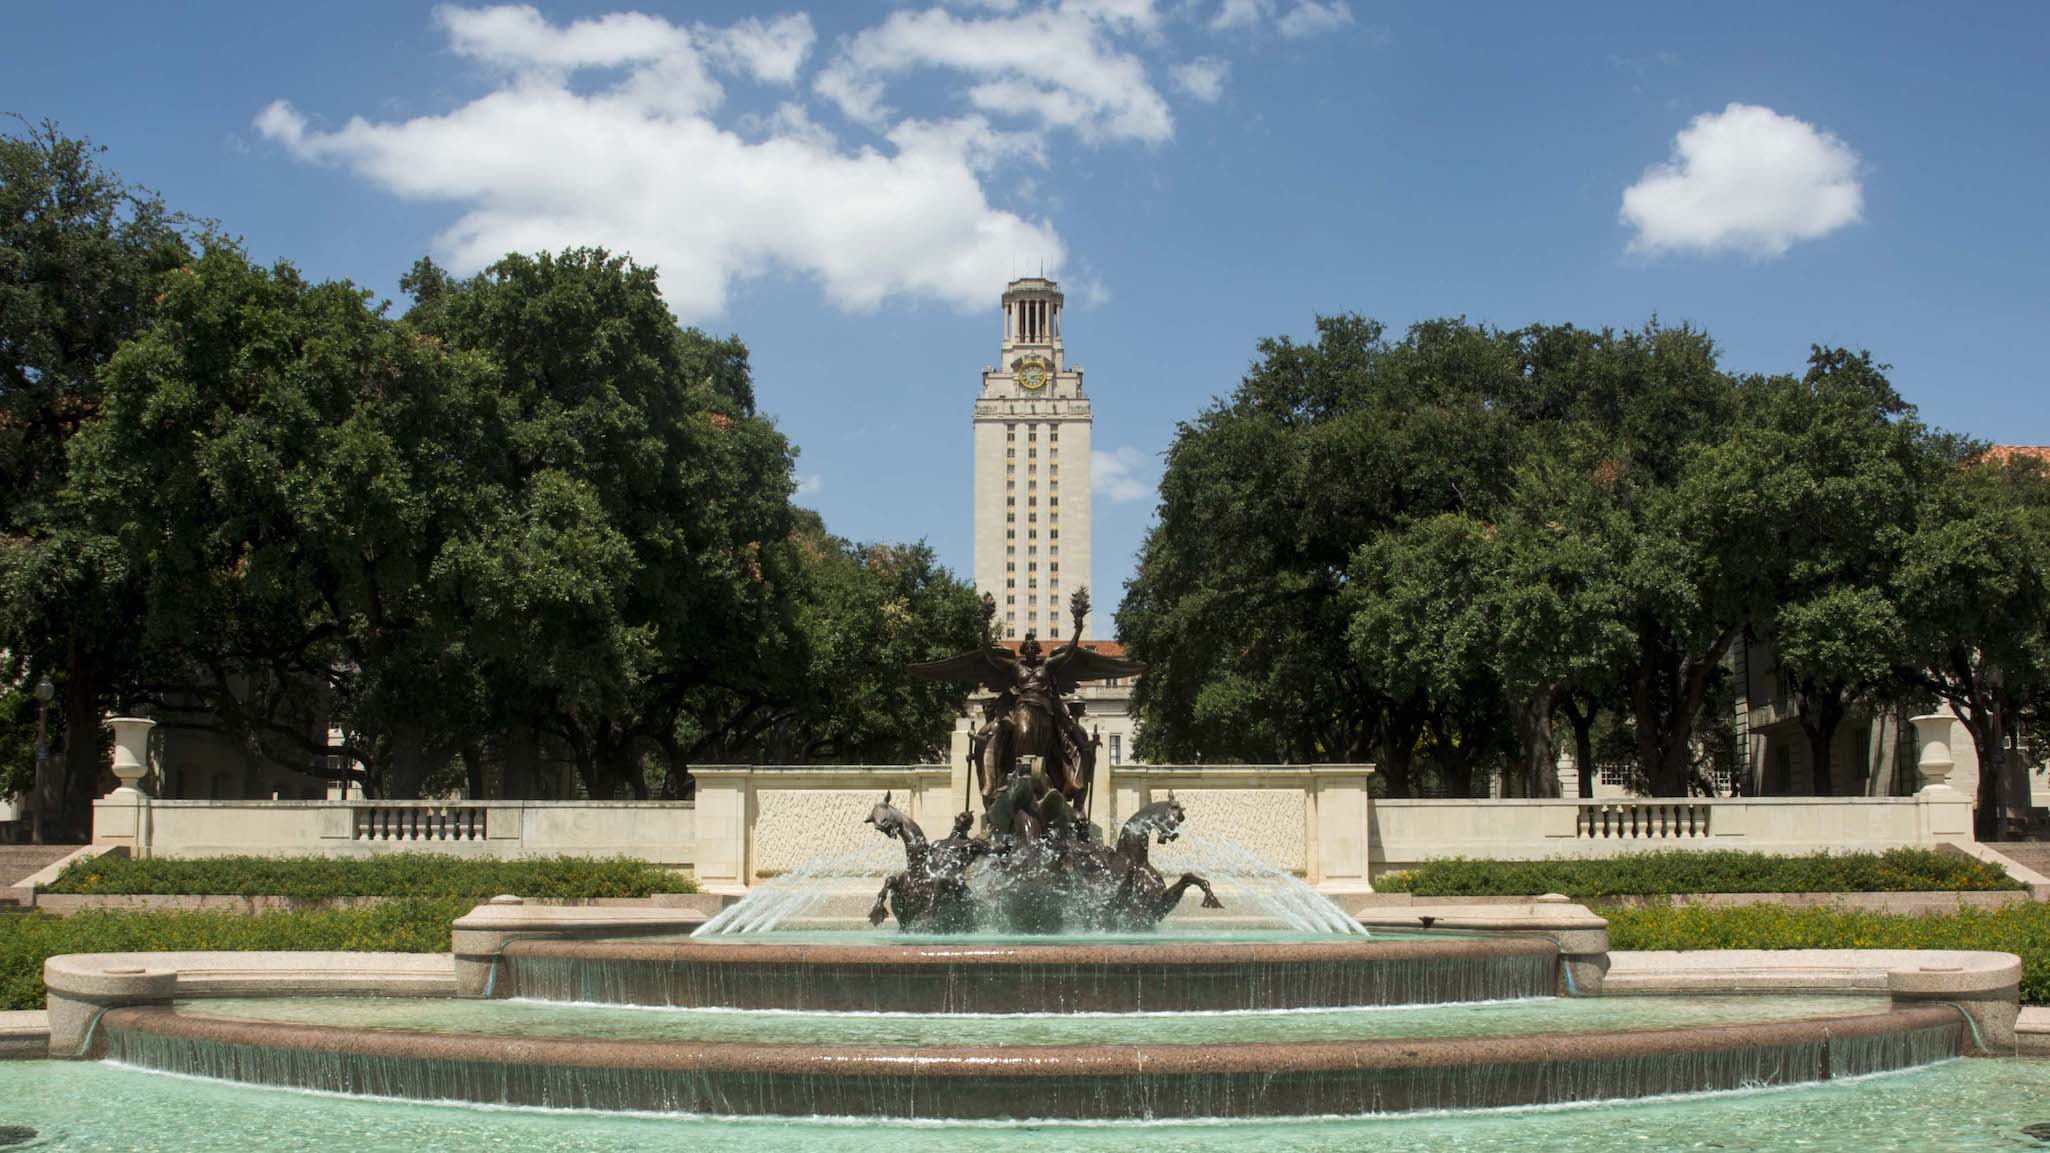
(45,693)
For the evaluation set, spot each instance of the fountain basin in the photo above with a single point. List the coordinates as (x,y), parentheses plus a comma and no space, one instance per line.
(976,976)
(1092,1082)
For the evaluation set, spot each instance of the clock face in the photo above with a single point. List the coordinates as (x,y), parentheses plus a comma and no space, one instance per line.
(1032,374)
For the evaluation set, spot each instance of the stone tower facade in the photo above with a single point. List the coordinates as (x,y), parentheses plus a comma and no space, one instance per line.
(1032,426)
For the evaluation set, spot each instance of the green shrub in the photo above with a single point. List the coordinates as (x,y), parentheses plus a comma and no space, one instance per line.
(402,926)
(1660,874)
(2022,928)
(397,875)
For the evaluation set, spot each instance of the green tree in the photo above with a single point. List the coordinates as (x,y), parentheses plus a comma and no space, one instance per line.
(1643,407)
(866,612)
(1831,467)
(1238,604)
(1974,591)
(635,551)
(281,466)
(80,254)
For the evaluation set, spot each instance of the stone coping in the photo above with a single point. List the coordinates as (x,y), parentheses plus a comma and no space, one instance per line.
(1809,970)
(234,974)
(742,951)
(1084,1081)
(358,803)
(1916,901)
(2032,1031)
(1521,915)
(24,1035)
(65,904)
(1055,1061)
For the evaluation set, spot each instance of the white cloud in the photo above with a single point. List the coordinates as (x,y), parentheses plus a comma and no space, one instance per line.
(1058,66)
(771,52)
(810,484)
(1124,474)
(641,167)
(1202,78)
(1240,14)
(1314,17)
(1745,179)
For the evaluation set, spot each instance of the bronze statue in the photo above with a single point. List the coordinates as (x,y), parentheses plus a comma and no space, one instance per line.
(1048,869)
(932,891)
(1027,717)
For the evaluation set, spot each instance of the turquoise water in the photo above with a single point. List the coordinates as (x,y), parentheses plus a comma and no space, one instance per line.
(609,1022)
(1169,932)
(1949,1108)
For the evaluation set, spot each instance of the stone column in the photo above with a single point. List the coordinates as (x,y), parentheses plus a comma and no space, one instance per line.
(122,816)
(1340,808)
(724,814)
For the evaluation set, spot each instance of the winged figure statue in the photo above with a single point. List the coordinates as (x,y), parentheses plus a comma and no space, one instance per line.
(1026,716)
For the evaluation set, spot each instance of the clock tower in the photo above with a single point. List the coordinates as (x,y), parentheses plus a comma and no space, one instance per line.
(1032,427)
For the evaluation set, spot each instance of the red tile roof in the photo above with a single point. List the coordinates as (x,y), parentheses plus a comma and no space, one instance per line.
(2002,453)
(1107,648)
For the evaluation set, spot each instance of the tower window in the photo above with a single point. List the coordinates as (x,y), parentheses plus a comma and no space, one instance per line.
(1031,434)
(1053,435)
(1010,452)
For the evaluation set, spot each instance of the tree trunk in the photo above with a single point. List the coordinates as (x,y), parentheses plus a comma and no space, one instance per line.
(1405,724)
(1536,744)
(1820,719)
(473,769)
(408,763)
(1583,742)
(520,749)
(1666,690)
(1989,738)
(72,822)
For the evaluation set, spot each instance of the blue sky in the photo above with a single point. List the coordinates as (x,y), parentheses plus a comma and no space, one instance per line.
(847,186)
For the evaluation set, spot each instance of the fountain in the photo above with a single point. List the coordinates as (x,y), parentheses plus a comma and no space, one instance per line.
(1038,970)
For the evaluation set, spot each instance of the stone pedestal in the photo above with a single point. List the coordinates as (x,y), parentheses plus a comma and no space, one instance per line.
(122,816)
(1946,813)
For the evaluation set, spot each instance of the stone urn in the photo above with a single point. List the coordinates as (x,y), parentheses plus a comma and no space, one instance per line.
(1932,733)
(131,750)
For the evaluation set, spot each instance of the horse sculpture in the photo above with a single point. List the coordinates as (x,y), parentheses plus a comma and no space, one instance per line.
(932,891)
(1141,888)
(1050,885)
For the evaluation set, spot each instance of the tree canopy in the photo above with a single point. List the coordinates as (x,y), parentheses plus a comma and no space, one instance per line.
(1422,550)
(531,519)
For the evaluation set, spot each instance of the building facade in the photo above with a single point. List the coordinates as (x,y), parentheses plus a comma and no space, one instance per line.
(1031,437)
(1031,432)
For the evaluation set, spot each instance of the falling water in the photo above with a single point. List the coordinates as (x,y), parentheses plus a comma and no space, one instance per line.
(1248,884)
(805,890)
(1251,889)
(903,1088)
(971,983)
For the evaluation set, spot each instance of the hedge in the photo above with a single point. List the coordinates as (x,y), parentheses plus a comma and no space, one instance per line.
(2022,928)
(397,875)
(402,926)
(1660,874)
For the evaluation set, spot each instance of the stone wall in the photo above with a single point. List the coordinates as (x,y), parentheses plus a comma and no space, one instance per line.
(1316,821)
